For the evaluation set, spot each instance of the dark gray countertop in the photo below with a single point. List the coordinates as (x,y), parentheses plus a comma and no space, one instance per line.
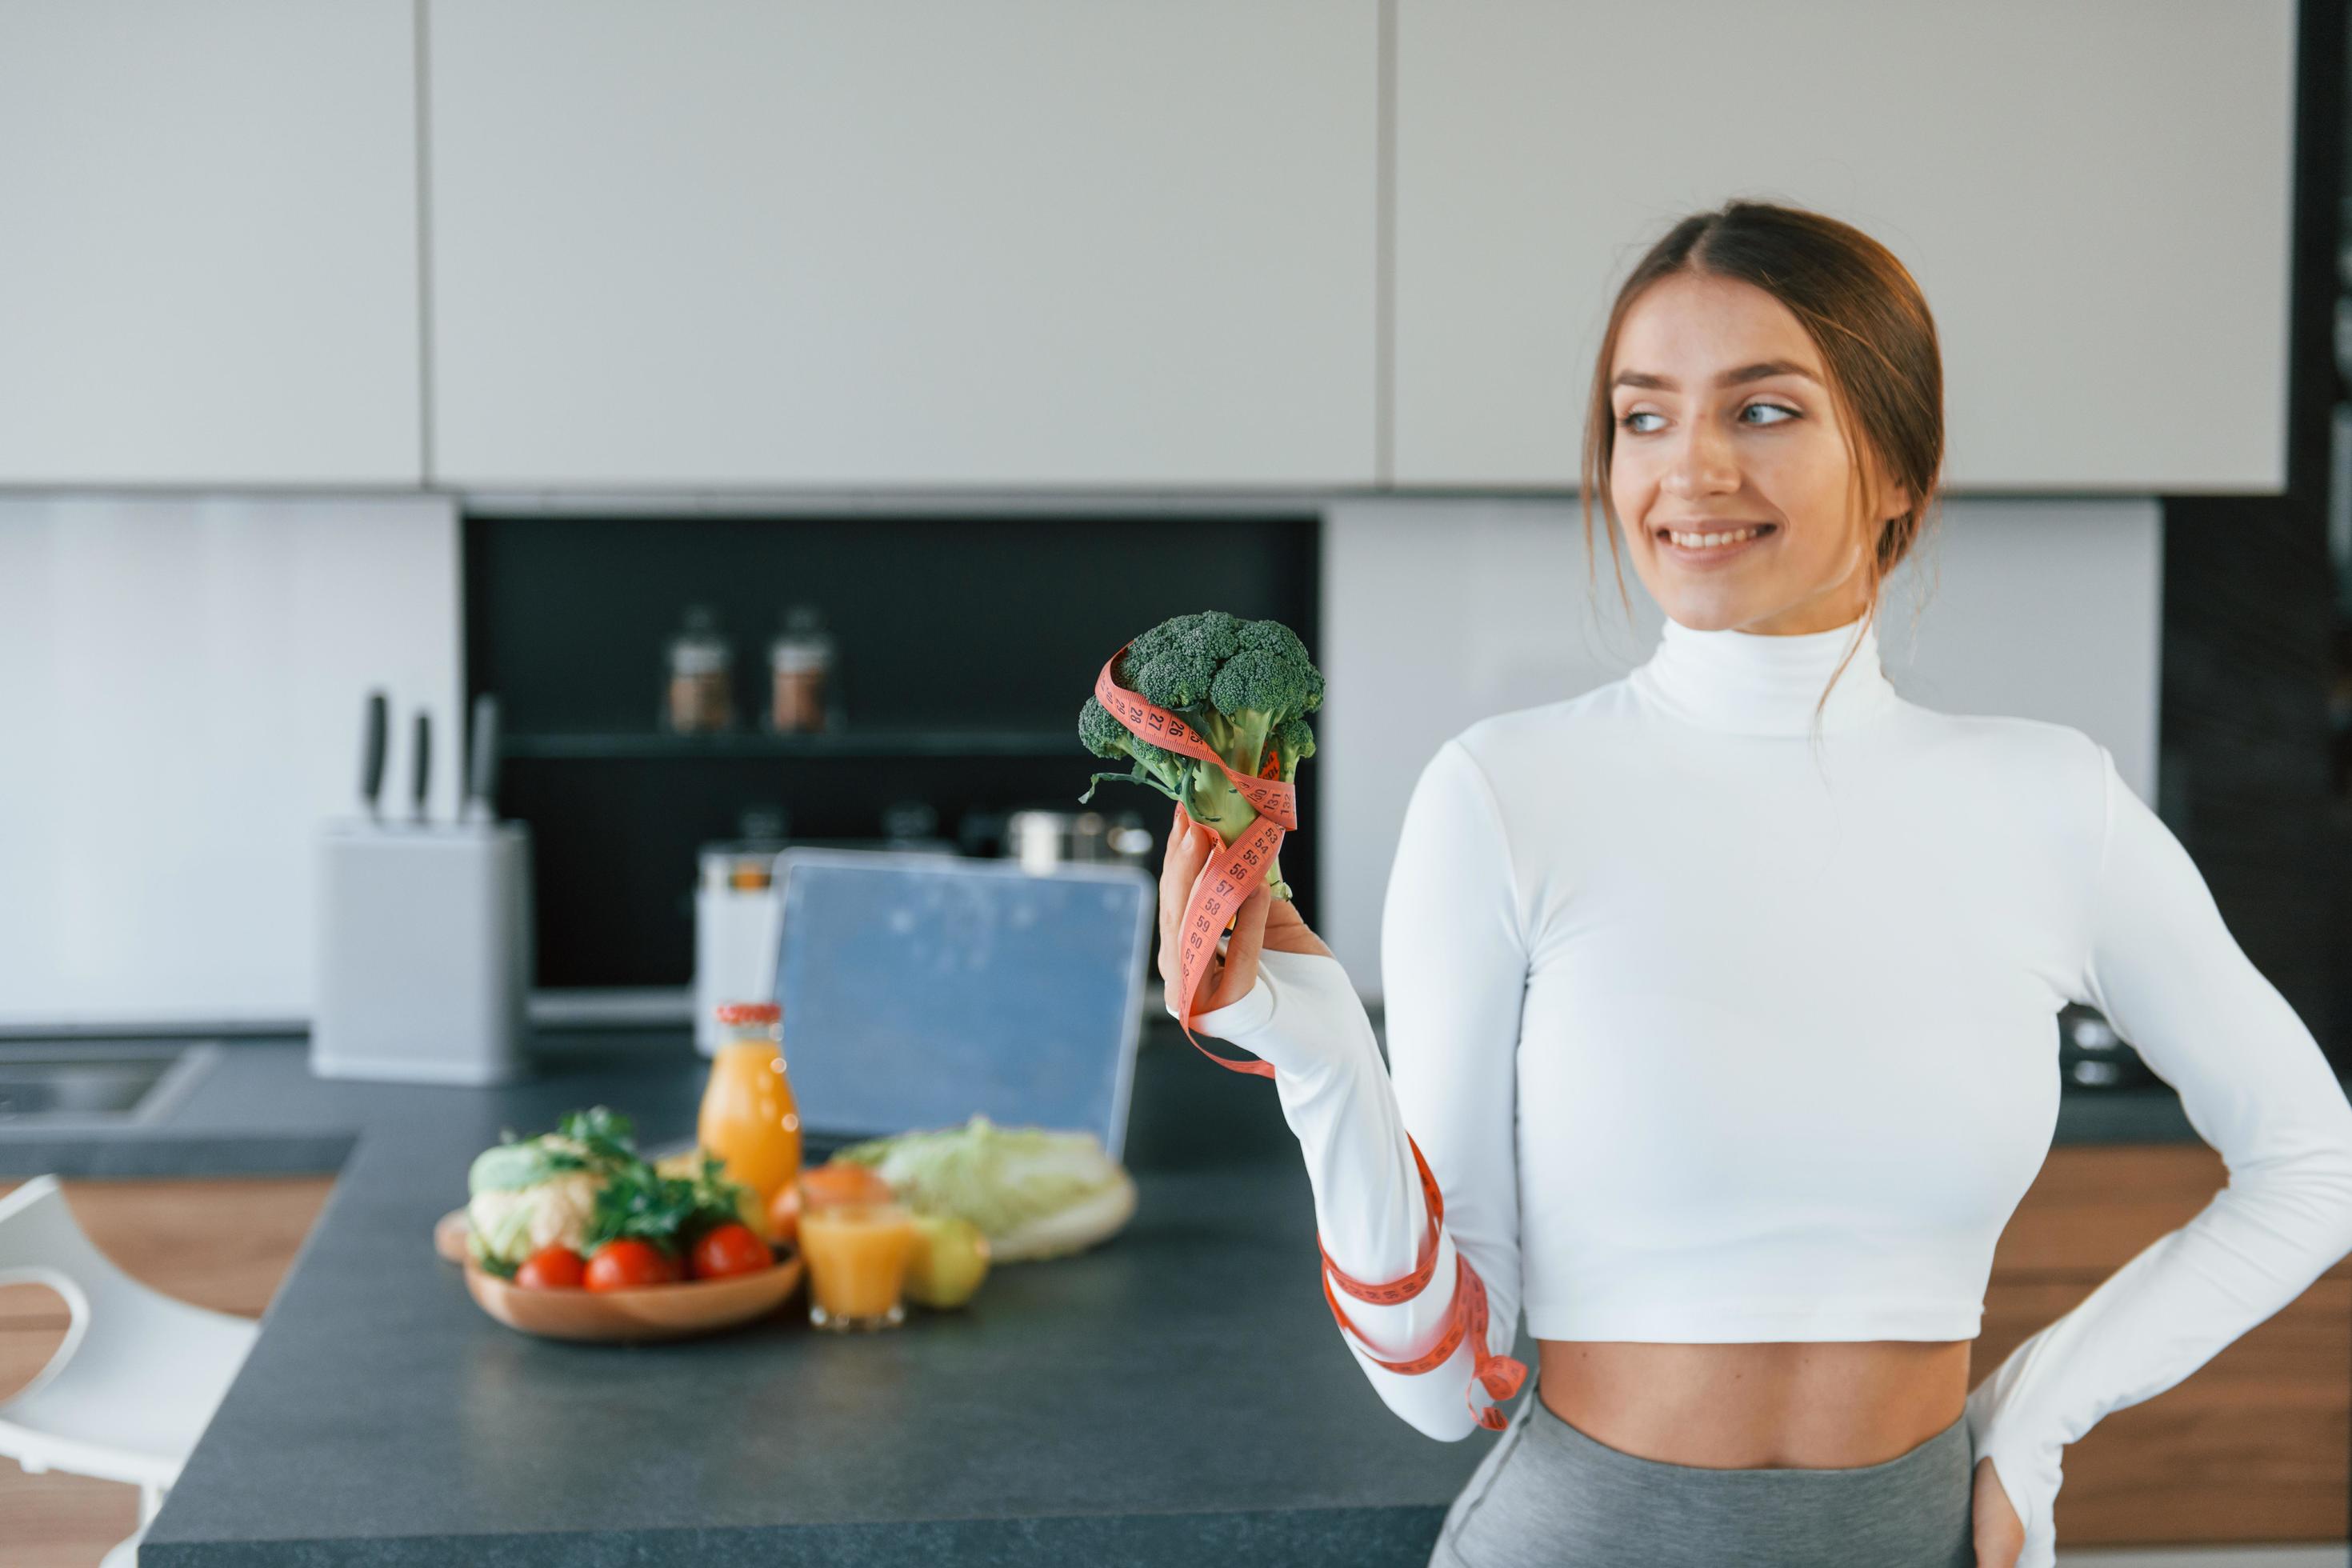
(1176,1395)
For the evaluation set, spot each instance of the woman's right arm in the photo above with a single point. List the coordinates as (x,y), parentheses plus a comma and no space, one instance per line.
(1454,970)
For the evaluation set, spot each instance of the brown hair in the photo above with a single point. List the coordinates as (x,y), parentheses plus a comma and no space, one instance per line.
(1865,314)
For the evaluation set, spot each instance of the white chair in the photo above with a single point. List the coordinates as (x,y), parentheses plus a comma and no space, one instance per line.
(138,1375)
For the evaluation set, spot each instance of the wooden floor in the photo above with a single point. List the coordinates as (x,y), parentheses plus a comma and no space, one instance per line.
(223,1243)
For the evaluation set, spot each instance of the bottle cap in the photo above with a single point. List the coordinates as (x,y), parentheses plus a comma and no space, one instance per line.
(750,1013)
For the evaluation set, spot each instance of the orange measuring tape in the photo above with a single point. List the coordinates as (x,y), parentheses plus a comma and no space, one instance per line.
(1225,881)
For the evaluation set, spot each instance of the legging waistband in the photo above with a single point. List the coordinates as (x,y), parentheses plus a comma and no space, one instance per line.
(1549,1496)
(1543,1419)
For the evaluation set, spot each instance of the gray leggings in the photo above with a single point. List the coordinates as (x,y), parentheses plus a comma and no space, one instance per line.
(1548,1495)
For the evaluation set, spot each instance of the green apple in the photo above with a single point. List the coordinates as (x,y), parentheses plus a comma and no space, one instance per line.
(951,1259)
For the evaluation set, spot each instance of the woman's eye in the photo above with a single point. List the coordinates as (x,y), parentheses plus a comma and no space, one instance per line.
(1627,422)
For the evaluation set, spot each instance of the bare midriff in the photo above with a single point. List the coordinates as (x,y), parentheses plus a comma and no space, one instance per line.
(1811,1404)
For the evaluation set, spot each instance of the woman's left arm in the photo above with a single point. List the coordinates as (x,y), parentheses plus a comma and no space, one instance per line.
(2164,969)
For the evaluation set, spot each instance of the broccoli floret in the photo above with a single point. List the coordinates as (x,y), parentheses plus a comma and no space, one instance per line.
(1294,742)
(1243,685)
(1105,736)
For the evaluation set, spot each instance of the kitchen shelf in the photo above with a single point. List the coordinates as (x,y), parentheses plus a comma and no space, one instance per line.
(655,744)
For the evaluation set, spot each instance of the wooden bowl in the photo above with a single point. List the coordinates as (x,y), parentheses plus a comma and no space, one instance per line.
(449,1234)
(647,1312)
(673,1312)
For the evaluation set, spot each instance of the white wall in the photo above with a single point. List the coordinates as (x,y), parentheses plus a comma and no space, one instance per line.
(181,686)
(2043,608)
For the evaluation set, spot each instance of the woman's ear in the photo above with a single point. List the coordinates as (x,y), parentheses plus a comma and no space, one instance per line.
(1894,500)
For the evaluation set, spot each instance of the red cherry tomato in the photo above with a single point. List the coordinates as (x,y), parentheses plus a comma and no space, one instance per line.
(555,1267)
(628,1263)
(730,1249)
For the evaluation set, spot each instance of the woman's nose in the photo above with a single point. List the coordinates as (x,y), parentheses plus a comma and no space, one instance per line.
(1702,464)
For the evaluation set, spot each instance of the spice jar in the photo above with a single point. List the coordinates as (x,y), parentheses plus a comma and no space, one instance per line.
(800,669)
(700,663)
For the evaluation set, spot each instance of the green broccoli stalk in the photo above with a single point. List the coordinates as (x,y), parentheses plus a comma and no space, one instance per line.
(1244,685)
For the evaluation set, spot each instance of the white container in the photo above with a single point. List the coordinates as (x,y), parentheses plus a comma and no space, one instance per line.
(738,921)
(425,953)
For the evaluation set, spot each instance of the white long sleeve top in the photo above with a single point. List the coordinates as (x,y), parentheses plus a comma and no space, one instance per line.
(1714,1031)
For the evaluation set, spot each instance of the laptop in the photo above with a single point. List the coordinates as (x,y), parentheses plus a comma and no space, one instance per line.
(919,989)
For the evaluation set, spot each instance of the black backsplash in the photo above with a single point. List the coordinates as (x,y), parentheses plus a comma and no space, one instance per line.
(964,623)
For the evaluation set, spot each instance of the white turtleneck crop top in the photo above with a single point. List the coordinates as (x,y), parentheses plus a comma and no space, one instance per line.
(1713,1032)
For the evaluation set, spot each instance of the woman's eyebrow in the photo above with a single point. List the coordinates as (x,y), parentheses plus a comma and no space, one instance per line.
(1756,371)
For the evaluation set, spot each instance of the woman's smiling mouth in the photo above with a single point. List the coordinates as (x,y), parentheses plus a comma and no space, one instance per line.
(1715,542)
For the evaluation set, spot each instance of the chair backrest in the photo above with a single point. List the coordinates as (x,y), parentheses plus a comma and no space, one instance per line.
(42,1244)
(140,1373)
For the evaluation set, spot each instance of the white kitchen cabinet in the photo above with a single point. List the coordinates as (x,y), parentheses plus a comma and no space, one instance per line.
(2094,198)
(208,274)
(743,243)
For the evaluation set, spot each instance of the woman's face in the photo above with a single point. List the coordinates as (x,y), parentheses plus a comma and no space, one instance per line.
(1702,456)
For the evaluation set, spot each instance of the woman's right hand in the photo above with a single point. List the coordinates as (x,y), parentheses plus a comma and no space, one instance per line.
(1265,921)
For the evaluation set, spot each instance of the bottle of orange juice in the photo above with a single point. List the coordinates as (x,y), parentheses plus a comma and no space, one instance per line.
(749,1117)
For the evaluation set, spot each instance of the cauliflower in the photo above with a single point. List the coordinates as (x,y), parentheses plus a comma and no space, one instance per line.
(529,1192)
(509,1225)
(583,1185)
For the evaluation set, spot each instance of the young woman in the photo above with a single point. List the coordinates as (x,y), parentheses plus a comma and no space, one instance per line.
(1721,1004)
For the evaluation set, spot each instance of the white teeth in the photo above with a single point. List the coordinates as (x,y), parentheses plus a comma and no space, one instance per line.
(1712,541)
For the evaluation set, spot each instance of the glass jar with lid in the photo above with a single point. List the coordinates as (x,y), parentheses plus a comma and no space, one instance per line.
(800,672)
(700,698)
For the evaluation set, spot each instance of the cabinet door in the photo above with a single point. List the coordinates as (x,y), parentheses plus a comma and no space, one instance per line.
(209,271)
(2095,200)
(904,242)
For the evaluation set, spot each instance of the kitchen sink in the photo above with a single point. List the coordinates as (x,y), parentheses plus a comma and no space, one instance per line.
(93,1084)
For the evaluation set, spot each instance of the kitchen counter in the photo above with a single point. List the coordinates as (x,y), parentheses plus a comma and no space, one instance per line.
(258,1111)
(1177,1396)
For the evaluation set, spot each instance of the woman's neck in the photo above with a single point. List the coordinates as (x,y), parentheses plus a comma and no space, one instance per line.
(1755,683)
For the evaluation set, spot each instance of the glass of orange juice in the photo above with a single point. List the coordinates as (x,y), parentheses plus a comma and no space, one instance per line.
(858,1255)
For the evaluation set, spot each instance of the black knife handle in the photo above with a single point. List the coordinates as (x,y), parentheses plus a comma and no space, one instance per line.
(424,759)
(376,733)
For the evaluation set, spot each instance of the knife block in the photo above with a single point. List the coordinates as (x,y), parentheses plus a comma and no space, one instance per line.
(425,953)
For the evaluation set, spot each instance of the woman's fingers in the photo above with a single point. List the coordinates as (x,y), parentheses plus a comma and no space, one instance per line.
(1287,930)
(1180,868)
(1232,978)
(1166,885)
(1248,939)
(1190,843)
(1234,962)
